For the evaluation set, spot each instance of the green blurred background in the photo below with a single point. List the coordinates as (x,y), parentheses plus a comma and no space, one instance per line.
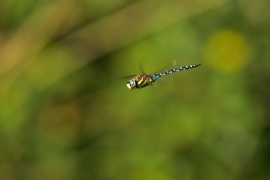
(64,115)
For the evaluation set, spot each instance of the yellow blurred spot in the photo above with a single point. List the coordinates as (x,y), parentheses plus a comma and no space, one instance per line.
(226,51)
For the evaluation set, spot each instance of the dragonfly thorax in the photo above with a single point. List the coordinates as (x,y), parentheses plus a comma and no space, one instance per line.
(140,81)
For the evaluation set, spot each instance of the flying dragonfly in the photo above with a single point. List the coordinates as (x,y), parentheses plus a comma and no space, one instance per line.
(143,80)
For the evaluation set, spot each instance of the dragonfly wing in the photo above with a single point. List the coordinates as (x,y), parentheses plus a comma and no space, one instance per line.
(162,81)
(141,68)
(124,77)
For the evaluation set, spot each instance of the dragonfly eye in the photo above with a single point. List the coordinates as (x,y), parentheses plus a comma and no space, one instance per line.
(131,84)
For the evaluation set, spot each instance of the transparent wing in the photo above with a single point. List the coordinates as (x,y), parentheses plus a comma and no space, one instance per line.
(168,78)
(141,68)
(124,77)
(170,65)
(131,76)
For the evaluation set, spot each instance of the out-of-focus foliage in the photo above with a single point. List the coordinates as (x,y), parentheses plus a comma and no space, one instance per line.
(65,115)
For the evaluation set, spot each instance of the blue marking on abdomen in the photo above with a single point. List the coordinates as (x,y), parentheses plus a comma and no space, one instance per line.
(155,77)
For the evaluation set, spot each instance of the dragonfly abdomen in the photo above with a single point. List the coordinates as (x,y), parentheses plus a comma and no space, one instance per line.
(182,68)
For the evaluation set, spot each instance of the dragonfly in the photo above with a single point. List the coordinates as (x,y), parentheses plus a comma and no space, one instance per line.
(142,80)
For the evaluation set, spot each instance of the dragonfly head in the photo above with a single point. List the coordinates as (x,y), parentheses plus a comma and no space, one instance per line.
(131,84)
